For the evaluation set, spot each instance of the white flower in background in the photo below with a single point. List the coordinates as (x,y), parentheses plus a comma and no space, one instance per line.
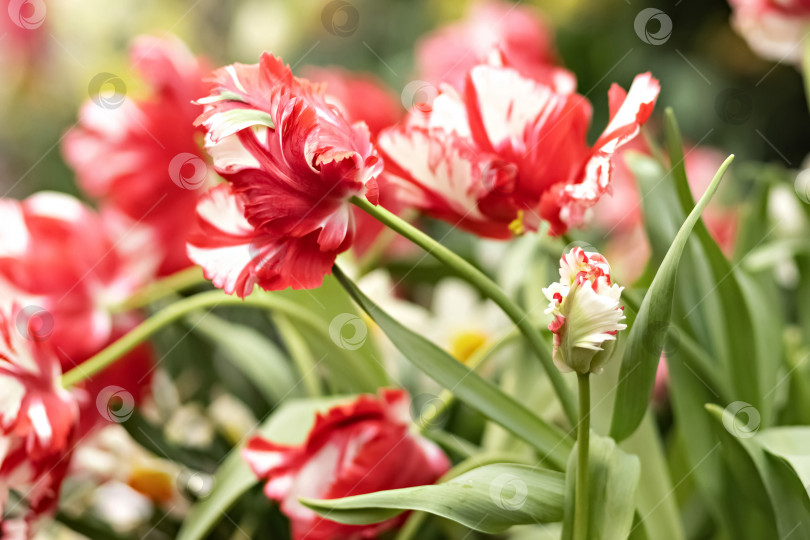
(586,310)
(459,320)
(128,481)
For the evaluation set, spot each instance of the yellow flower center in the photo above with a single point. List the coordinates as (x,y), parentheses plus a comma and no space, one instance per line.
(465,343)
(152,483)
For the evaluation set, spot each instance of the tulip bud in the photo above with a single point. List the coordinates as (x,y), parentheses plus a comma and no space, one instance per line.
(586,310)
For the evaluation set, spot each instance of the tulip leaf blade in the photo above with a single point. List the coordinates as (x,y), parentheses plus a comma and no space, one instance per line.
(489,499)
(466,384)
(779,457)
(737,312)
(644,343)
(255,355)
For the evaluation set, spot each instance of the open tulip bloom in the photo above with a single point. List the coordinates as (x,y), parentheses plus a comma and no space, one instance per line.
(319,315)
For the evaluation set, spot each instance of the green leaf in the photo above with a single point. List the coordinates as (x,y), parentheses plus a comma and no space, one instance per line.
(637,374)
(288,424)
(489,499)
(736,314)
(256,356)
(612,480)
(465,384)
(352,367)
(781,458)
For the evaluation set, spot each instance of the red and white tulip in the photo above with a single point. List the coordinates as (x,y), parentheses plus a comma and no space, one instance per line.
(586,312)
(358,447)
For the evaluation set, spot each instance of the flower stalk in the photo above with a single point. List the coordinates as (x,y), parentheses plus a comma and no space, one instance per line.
(475,277)
(583,443)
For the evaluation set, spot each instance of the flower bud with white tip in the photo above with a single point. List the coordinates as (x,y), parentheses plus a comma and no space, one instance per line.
(586,310)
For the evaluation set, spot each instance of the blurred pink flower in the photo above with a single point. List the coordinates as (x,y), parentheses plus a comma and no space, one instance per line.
(142,158)
(58,262)
(354,448)
(774,29)
(526,42)
(38,424)
(293,161)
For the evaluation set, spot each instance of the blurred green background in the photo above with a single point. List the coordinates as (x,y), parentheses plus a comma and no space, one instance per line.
(722,93)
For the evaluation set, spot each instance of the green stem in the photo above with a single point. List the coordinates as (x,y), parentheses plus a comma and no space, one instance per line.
(583,442)
(174,283)
(475,277)
(177,311)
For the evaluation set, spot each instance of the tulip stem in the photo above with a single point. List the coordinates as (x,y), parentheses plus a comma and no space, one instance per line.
(583,443)
(179,310)
(475,277)
(179,281)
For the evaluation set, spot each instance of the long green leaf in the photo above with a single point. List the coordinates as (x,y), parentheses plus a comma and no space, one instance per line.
(781,458)
(256,356)
(489,499)
(742,361)
(289,424)
(637,374)
(612,481)
(467,385)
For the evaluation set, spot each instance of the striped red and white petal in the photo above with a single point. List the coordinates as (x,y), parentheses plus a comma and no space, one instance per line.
(236,256)
(571,201)
(444,175)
